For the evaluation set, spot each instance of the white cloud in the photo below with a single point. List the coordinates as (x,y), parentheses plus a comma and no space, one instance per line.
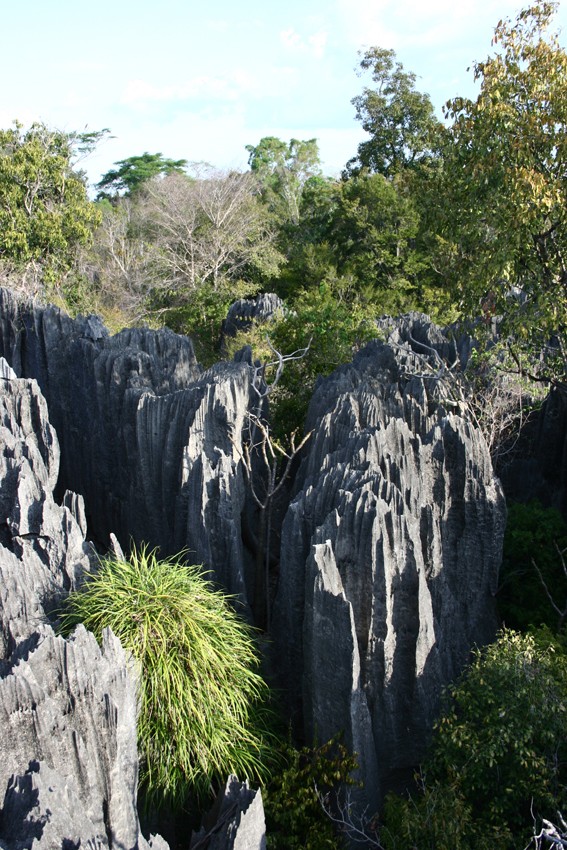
(403,24)
(313,45)
(142,92)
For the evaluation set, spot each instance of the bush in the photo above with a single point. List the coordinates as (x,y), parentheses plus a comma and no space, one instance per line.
(200,699)
(439,818)
(533,534)
(498,753)
(294,816)
(334,322)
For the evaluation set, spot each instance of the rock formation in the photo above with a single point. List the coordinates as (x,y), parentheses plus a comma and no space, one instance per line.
(247,311)
(390,552)
(390,546)
(67,707)
(147,438)
(236,821)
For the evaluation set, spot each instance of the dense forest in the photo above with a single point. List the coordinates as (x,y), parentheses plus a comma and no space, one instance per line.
(463,219)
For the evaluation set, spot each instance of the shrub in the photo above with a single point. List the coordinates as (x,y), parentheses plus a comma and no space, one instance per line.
(534,534)
(498,752)
(200,714)
(294,816)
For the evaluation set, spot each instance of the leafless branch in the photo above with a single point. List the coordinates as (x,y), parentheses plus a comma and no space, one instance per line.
(358,828)
(561,612)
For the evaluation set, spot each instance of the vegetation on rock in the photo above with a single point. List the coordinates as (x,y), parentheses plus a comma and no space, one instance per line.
(201,694)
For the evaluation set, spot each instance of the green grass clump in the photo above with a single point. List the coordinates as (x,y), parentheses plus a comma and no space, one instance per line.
(200,714)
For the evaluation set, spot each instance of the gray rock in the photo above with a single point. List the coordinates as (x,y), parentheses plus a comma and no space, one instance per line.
(150,441)
(236,822)
(247,311)
(68,756)
(42,807)
(536,467)
(390,553)
(71,705)
(43,552)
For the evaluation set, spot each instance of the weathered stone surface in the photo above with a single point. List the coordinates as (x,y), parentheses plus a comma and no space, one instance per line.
(390,552)
(43,552)
(150,441)
(247,311)
(68,756)
(236,822)
(536,468)
(71,704)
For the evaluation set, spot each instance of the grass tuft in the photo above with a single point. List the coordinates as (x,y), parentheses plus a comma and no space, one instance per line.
(201,696)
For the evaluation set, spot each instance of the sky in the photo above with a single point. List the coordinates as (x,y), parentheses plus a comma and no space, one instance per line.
(201,80)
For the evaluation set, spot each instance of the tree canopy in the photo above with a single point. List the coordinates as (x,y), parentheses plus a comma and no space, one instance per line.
(500,206)
(283,169)
(400,120)
(132,172)
(45,212)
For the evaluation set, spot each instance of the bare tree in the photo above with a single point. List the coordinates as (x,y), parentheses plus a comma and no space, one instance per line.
(560,610)
(357,828)
(550,835)
(206,228)
(267,465)
(120,261)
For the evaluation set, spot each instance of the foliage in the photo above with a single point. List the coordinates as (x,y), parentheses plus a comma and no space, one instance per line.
(199,686)
(533,533)
(438,818)
(120,261)
(400,120)
(334,321)
(373,231)
(199,313)
(283,169)
(502,740)
(500,399)
(45,212)
(498,752)
(499,205)
(131,173)
(294,817)
(208,229)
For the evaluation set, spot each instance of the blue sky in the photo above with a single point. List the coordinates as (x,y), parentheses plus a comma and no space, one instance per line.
(200,80)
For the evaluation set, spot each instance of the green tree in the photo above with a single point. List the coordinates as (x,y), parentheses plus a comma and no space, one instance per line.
(373,230)
(45,212)
(400,120)
(533,560)
(361,233)
(133,172)
(283,169)
(498,752)
(499,207)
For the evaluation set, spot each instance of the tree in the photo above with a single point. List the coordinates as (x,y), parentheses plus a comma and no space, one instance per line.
(498,751)
(207,230)
(373,231)
(499,208)
(45,212)
(120,260)
(283,169)
(400,120)
(133,172)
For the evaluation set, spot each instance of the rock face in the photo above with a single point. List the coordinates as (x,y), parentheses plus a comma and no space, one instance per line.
(390,546)
(67,707)
(537,468)
(390,554)
(246,311)
(149,440)
(236,822)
